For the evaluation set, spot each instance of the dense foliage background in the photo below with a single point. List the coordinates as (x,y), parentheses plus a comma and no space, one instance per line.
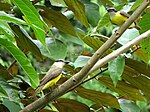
(35,33)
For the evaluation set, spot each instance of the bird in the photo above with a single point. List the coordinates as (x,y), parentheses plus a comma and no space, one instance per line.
(119,17)
(52,76)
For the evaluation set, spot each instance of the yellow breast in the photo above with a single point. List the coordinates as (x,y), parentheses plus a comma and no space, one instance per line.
(51,82)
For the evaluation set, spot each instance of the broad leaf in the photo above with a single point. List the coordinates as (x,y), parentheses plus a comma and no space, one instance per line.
(58,3)
(116,68)
(136,79)
(68,105)
(58,50)
(32,17)
(98,97)
(141,67)
(4,6)
(57,19)
(22,60)
(123,89)
(24,42)
(81,61)
(78,8)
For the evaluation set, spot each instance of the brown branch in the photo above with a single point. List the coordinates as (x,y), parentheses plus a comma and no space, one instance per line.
(80,76)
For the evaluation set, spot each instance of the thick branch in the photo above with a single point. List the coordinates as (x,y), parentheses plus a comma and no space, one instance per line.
(80,76)
(119,51)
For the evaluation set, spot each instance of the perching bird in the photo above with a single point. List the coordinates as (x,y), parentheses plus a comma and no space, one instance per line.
(119,17)
(52,76)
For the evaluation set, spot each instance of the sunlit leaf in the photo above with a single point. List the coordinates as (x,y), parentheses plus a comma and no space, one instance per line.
(22,60)
(9,18)
(32,17)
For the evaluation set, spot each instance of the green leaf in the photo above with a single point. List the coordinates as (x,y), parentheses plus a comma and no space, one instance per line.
(104,21)
(69,105)
(78,8)
(6,30)
(12,106)
(57,19)
(24,41)
(116,68)
(32,17)
(128,35)
(9,18)
(58,50)
(81,61)
(123,89)
(22,60)
(98,97)
(3,92)
(127,106)
(58,3)
(107,2)
(136,5)
(92,13)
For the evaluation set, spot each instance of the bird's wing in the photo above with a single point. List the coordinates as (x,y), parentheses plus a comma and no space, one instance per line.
(124,14)
(51,74)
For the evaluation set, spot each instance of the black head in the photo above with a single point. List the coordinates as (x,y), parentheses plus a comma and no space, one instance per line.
(62,60)
(111,9)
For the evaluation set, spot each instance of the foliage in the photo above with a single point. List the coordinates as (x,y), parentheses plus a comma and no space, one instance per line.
(35,34)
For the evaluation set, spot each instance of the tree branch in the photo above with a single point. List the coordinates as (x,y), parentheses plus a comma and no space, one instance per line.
(82,74)
(119,51)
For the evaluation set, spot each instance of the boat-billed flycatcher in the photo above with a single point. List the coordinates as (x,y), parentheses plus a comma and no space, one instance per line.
(119,17)
(52,76)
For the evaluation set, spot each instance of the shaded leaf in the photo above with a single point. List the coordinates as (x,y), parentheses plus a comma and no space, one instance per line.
(122,88)
(81,61)
(12,106)
(3,108)
(32,17)
(24,42)
(58,50)
(22,60)
(136,79)
(68,105)
(57,19)
(98,97)
(78,8)
(4,6)
(4,73)
(115,68)
(92,13)
(141,67)
(3,92)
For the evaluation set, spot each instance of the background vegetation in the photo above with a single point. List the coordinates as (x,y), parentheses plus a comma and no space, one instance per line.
(35,33)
